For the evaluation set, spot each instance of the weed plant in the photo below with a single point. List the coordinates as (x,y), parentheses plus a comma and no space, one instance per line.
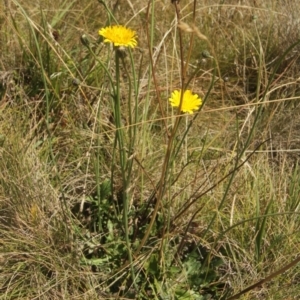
(149,149)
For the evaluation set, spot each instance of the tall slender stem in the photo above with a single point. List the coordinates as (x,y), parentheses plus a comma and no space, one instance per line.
(123,159)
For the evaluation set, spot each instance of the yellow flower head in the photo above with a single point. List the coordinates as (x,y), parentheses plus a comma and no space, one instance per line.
(119,36)
(190,102)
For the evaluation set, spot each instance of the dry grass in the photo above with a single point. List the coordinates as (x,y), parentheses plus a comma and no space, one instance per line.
(57,135)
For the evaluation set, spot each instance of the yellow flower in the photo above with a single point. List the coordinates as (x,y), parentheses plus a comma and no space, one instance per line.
(119,36)
(190,102)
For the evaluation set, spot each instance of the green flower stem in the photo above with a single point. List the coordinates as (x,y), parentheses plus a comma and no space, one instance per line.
(133,119)
(117,108)
(122,150)
(123,159)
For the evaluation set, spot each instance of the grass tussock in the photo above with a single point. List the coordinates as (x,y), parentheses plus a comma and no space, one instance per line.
(109,192)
